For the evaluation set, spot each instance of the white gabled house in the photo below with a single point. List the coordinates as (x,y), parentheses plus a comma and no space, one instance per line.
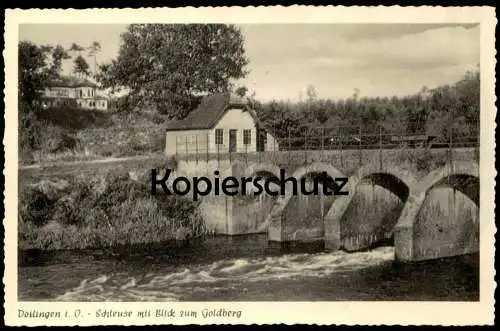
(222,123)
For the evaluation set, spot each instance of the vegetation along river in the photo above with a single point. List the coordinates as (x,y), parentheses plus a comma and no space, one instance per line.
(241,268)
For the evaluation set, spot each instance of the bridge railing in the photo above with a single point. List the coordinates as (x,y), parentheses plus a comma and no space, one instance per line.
(354,137)
(340,138)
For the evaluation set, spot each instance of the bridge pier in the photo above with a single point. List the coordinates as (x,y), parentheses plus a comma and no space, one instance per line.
(333,229)
(225,214)
(299,218)
(403,232)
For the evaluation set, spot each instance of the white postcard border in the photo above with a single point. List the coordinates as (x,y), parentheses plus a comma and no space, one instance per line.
(348,312)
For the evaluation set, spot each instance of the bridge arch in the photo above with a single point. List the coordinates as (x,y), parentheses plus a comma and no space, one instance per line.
(349,234)
(398,181)
(262,168)
(420,237)
(316,169)
(461,176)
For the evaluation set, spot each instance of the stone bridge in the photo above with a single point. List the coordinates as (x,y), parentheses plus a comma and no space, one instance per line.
(424,200)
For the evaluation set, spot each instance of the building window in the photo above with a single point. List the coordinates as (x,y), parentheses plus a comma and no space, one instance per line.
(247,134)
(219,136)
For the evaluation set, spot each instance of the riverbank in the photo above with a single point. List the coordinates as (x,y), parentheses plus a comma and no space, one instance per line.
(102,210)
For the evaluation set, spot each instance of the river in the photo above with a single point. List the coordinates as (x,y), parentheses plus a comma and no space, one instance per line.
(241,268)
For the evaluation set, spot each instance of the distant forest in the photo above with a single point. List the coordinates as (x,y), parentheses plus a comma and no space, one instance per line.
(435,112)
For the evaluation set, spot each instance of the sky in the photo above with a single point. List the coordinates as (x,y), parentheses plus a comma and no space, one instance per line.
(376,59)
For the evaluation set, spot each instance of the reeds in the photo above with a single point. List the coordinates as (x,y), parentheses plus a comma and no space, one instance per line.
(102,212)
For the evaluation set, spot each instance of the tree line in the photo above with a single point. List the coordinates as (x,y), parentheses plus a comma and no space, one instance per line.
(435,112)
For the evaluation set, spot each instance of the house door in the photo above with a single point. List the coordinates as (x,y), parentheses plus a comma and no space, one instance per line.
(261,140)
(232,140)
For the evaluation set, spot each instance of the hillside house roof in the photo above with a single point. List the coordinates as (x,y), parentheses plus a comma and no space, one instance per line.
(71,81)
(101,96)
(210,110)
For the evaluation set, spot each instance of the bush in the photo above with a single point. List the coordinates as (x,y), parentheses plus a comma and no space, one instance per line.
(34,206)
(104,211)
(159,119)
(53,190)
(107,153)
(74,118)
(56,139)
(29,128)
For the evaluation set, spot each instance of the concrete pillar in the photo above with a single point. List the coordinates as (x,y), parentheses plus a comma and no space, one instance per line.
(275,220)
(403,231)
(333,221)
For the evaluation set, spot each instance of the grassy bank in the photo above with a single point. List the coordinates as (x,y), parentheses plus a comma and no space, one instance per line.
(72,134)
(102,211)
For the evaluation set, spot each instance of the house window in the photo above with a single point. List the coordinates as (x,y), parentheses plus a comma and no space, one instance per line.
(219,136)
(247,134)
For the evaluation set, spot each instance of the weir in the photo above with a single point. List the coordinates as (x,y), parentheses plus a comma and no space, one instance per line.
(390,200)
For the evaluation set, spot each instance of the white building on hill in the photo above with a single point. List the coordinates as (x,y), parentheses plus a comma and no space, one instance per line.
(74,92)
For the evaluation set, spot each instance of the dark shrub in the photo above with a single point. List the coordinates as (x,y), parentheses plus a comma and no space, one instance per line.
(74,118)
(74,208)
(34,206)
(56,139)
(120,188)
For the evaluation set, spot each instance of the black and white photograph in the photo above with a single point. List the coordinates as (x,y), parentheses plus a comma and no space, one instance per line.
(253,162)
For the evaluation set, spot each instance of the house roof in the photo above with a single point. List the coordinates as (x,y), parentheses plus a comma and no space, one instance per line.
(71,81)
(101,96)
(210,111)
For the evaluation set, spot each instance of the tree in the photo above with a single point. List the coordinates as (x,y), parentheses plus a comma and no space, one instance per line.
(311,93)
(37,66)
(355,95)
(34,69)
(81,67)
(94,48)
(76,48)
(168,64)
(241,91)
(58,55)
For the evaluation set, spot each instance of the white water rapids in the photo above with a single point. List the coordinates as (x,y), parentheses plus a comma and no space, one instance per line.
(221,275)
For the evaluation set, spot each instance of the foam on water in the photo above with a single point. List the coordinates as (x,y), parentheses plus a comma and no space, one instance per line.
(174,285)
